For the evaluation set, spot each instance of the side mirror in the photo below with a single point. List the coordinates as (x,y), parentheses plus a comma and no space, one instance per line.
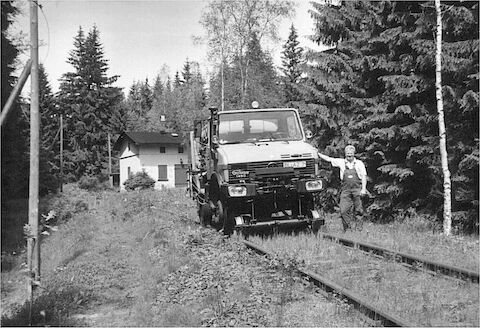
(308,134)
(214,142)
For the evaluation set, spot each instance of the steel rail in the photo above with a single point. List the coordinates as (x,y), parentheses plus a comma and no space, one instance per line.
(362,305)
(407,259)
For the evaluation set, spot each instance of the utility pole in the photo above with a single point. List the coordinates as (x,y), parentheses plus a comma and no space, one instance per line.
(61,152)
(33,240)
(110,177)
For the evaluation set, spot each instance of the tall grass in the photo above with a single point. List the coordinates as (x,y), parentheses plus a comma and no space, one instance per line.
(106,252)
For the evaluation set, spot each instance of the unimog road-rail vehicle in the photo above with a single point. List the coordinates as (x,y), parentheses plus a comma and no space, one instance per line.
(254,171)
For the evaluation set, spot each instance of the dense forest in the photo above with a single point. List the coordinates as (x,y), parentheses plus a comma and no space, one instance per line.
(374,88)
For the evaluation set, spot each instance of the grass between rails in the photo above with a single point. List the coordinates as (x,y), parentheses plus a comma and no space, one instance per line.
(416,235)
(416,296)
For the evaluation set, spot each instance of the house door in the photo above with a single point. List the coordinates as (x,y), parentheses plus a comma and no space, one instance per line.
(180,175)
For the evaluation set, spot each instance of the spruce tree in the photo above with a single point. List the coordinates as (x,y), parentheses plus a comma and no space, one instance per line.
(186,72)
(186,100)
(158,107)
(292,59)
(146,97)
(263,84)
(375,89)
(177,82)
(89,103)
(14,132)
(49,135)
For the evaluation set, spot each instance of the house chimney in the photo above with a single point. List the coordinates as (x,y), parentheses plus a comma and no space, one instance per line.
(162,118)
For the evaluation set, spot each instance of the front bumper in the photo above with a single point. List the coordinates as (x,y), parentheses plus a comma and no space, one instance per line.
(252,190)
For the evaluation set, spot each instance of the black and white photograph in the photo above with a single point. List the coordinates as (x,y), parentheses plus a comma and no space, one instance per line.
(240,163)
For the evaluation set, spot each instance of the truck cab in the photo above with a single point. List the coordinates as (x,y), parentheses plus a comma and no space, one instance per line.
(254,169)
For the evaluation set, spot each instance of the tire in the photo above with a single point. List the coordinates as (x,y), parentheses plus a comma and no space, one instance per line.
(205,214)
(228,222)
(220,212)
(317,226)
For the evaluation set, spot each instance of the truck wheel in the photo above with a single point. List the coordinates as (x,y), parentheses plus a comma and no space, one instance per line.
(205,215)
(228,223)
(219,215)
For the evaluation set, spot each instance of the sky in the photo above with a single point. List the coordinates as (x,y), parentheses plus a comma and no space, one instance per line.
(138,37)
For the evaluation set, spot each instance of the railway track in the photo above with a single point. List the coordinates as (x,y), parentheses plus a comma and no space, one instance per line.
(377,315)
(406,259)
(378,312)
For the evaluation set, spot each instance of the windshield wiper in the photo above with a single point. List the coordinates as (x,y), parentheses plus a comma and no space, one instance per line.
(236,142)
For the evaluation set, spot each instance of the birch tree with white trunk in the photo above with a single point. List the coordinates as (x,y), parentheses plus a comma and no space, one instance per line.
(447,198)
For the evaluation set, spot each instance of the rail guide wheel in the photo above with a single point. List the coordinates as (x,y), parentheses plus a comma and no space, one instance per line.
(316,222)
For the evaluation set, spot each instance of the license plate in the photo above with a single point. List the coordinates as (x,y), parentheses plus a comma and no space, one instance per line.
(295,165)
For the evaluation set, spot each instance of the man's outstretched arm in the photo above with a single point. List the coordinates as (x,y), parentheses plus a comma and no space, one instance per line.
(325,157)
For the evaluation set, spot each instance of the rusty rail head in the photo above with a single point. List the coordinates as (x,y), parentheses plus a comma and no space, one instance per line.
(407,258)
(388,320)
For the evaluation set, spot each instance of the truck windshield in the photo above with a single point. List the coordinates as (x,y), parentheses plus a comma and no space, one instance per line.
(259,126)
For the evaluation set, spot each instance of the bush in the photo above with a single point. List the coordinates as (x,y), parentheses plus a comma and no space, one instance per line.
(89,183)
(465,221)
(139,181)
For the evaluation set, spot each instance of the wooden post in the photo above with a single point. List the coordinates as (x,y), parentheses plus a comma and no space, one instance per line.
(61,152)
(33,240)
(110,177)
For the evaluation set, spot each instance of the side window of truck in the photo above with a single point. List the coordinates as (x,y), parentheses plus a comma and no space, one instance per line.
(293,131)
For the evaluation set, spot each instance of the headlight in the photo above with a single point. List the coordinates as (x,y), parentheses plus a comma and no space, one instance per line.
(237,191)
(313,185)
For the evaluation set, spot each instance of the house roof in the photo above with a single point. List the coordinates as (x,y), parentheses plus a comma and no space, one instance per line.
(142,138)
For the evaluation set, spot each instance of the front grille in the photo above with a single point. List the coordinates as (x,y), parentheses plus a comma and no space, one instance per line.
(241,169)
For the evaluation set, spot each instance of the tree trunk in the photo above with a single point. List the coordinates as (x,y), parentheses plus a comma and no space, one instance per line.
(244,96)
(447,199)
(242,82)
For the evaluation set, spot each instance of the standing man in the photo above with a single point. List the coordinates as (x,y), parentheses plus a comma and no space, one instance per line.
(353,176)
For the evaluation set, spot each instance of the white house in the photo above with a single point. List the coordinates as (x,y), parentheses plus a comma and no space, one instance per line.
(164,156)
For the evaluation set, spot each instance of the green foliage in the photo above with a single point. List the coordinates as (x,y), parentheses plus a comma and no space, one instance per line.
(187,99)
(234,31)
(91,183)
(180,105)
(139,103)
(90,105)
(292,58)
(375,89)
(261,84)
(139,181)
(49,136)
(14,133)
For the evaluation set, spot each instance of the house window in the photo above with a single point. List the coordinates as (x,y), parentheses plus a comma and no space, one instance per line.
(162,149)
(162,173)
(129,172)
(180,149)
